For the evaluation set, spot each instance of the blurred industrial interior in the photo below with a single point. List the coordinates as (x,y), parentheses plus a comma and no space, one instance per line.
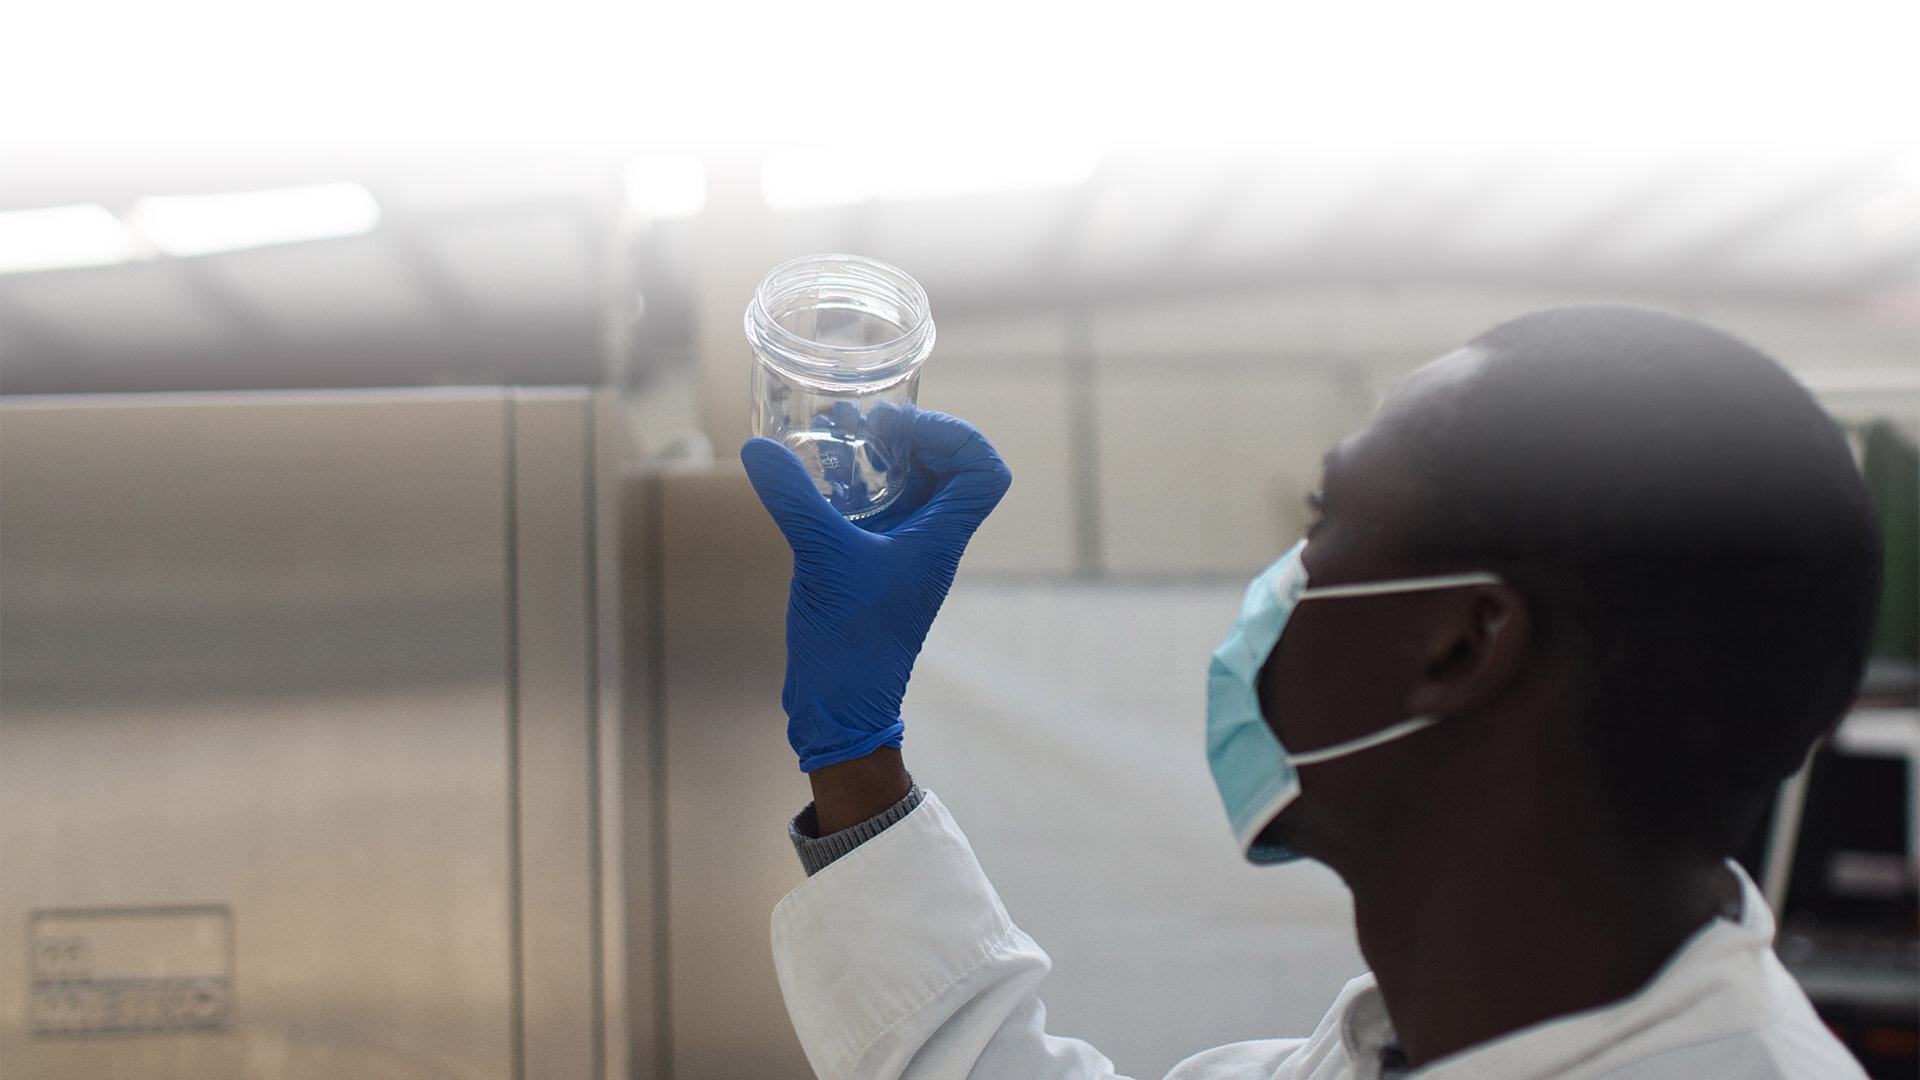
(456,708)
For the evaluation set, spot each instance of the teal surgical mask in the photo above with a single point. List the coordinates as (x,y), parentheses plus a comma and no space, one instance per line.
(1258,777)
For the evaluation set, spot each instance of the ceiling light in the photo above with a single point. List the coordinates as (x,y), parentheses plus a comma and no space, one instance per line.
(797,179)
(666,186)
(63,236)
(200,224)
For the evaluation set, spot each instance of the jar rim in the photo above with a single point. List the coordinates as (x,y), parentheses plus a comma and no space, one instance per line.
(779,344)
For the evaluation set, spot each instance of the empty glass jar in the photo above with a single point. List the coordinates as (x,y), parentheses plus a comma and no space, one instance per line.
(838,341)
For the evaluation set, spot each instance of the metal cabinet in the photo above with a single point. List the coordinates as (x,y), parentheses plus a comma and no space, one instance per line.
(310,748)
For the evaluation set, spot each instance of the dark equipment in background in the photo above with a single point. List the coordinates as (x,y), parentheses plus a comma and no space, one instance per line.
(1840,857)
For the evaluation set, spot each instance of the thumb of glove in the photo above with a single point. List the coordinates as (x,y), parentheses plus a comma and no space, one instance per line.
(804,516)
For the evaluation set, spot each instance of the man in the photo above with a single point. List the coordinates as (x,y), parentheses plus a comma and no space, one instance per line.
(1578,597)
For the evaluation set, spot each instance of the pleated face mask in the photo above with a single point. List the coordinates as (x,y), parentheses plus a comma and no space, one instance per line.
(1258,777)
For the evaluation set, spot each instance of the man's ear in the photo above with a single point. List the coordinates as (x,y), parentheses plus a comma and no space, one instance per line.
(1476,650)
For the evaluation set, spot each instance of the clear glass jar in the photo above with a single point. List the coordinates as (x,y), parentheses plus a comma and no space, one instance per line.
(838,341)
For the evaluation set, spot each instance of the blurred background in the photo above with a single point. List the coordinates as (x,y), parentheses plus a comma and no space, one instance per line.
(390,646)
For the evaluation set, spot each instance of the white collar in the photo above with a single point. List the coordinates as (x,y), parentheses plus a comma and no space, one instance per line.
(1714,982)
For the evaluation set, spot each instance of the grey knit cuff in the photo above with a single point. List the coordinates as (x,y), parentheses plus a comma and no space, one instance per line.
(817,851)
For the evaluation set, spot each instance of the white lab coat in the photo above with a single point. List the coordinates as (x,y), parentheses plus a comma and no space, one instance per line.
(898,961)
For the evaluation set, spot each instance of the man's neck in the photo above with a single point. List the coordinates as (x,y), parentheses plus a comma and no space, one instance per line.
(1526,924)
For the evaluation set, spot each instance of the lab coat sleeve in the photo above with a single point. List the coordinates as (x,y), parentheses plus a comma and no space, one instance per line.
(899,961)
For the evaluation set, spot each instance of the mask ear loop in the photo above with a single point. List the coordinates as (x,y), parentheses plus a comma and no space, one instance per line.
(1402,585)
(1379,588)
(1364,742)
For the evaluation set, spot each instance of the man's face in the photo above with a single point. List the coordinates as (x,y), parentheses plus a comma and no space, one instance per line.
(1343,667)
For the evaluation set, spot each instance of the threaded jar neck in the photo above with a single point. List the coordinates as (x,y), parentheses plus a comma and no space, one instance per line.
(841,319)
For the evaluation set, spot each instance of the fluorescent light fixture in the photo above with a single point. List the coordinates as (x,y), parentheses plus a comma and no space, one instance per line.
(200,224)
(666,186)
(798,179)
(63,236)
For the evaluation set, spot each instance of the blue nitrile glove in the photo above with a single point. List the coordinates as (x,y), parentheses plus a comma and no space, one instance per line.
(863,597)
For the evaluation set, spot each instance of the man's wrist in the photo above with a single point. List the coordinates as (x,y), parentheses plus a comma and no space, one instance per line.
(818,850)
(849,792)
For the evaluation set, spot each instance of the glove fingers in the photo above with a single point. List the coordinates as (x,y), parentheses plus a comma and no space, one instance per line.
(919,487)
(935,445)
(804,516)
(946,445)
(970,475)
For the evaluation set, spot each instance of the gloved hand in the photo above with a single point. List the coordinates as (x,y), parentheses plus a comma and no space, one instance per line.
(863,598)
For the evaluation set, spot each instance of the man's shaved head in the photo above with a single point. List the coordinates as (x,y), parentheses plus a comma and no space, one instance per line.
(1677,501)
